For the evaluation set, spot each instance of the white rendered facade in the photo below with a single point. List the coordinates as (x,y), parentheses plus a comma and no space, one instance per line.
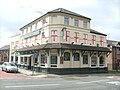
(60,28)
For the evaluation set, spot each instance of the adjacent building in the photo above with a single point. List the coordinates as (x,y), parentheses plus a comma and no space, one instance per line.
(114,57)
(60,42)
(4,53)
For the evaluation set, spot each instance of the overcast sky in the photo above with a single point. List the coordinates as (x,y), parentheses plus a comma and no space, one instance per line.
(14,14)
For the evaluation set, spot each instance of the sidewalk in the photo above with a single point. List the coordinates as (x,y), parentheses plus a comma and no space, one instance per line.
(37,74)
(45,75)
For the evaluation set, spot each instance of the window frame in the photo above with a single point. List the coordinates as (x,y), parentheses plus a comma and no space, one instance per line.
(51,62)
(54,37)
(85,39)
(94,60)
(85,62)
(66,21)
(93,39)
(85,24)
(101,40)
(78,59)
(100,61)
(76,22)
(43,61)
(76,37)
(68,56)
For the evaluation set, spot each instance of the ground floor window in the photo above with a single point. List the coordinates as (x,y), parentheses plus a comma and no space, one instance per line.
(101,61)
(85,59)
(53,60)
(76,56)
(43,59)
(25,60)
(94,60)
(66,56)
(21,60)
(11,58)
(16,59)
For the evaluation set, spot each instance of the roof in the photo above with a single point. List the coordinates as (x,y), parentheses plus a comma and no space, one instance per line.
(66,46)
(6,47)
(112,42)
(96,32)
(61,10)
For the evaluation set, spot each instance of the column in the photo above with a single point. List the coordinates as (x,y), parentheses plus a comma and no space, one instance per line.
(28,61)
(18,58)
(39,58)
(32,61)
(89,61)
(98,64)
(14,58)
(58,59)
(71,60)
(10,56)
(105,61)
(48,60)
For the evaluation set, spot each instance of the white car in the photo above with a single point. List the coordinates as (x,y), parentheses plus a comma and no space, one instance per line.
(9,67)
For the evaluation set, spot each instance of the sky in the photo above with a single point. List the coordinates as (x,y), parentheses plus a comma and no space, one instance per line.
(14,14)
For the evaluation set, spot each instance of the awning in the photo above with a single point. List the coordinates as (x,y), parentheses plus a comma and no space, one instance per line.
(26,55)
(66,46)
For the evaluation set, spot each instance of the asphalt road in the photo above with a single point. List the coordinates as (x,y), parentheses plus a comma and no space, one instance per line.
(79,83)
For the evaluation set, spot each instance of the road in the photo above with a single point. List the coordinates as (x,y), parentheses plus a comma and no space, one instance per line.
(65,83)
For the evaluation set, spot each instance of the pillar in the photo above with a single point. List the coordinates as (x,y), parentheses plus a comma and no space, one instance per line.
(98,64)
(89,60)
(58,59)
(28,61)
(14,58)
(10,56)
(48,60)
(105,61)
(39,58)
(19,59)
(71,59)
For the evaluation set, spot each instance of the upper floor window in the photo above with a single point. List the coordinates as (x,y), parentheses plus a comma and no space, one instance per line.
(29,29)
(39,25)
(76,22)
(17,42)
(101,40)
(54,35)
(93,39)
(66,20)
(85,38)
(12,44)
(33,27)
(85,24)
(66,35)
(76,37)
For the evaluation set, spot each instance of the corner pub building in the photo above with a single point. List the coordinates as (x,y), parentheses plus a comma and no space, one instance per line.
(63,42)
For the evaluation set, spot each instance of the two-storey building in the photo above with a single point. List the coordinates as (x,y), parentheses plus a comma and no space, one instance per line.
(4,53)
(114,57)
(61,42)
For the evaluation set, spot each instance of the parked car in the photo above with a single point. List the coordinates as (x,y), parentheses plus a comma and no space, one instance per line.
(9,67)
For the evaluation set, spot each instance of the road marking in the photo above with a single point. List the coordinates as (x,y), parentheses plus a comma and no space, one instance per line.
(31,85)
(92,81)
(114,82)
